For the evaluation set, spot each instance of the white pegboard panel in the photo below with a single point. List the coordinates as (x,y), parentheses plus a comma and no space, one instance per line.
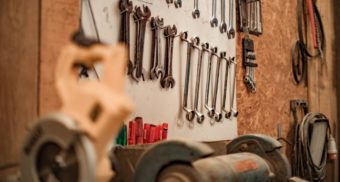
(153,103)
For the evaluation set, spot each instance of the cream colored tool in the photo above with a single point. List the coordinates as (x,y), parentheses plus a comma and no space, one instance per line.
(71,145)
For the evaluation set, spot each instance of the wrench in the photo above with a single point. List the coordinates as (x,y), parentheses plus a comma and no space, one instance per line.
(232,111)
(178,3)
(190,114)
(126,7)
(168,80)
(140,18)
(196,11)
(205,47)
(211,110)
(213,20)
(225,86)
(223,25)
(156,69)
(231,30)
(218,115)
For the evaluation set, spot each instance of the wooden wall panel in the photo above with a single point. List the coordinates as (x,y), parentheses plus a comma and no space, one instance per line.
(19,48)
(59,20)
(262,111)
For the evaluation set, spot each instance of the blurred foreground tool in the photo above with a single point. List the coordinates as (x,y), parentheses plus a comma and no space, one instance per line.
(71,144)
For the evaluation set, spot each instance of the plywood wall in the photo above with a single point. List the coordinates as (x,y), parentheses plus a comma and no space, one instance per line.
(19,47)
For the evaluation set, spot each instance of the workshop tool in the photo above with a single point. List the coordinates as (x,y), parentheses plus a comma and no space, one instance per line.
(71,145)
(299,63)
(126,8)
(250,16)
(223,25)
(225,86)
(169,33)
(156,68)
(205,48)
(190,113)
(141,17)
(255,158)
(196,11)
(213,19)
(211,109)
(231,30)
(232,112)
(249,64)
(178,3)
(218,115)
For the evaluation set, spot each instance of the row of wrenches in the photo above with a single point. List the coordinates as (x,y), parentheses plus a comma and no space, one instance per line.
(141,15)
(224,28)
(192,45)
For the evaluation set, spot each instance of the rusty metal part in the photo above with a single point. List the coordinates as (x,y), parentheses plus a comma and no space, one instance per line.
(205,46)
(126,8)
(168,81)
(140,16)
(156,68)
(211,110)
(169,152)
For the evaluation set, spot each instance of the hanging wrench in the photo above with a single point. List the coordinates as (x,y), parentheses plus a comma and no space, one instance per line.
(211,110)
(168,80)
(231,30)
(190,114)
(232,111)
(196,11)
(218,115)
(213,20)
(126,7)
(225,86)
(156,69)
(205,47)
(178,3)
(141,18)
(223,25)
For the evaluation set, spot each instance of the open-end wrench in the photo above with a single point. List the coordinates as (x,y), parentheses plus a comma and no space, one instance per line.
(232,111)
(178,3)
(156,69)
(205,47)
(211,110)
(196,11)
(169,33)
(218,115)
(231,30)
(225,86)
(223,25)
(190,113)
(140,18)
(169,1)
(126,8)
(213,20)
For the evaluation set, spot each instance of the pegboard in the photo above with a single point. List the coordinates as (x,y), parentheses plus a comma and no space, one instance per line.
(154,103)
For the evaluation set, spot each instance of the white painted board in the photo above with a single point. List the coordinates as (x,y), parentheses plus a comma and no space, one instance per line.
(153,103)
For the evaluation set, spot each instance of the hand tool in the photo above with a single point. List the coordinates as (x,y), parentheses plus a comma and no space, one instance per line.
(213,20)
(232,111)
(196,11)
(178,3)
(223,25)
(211,110)
(218,115)
(169,33)
(140,16)
(190,114)
(205,47)
(225,86)
(249,64)
(231,30)
(156,69)
(169,1)
(71,145)
(126,8)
